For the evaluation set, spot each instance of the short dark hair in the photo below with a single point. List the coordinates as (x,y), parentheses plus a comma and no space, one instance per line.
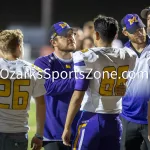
(107,27)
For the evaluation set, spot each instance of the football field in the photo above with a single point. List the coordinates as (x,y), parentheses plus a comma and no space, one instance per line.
(32,120)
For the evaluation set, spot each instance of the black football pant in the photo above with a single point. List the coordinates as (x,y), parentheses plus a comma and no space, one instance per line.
(57,145)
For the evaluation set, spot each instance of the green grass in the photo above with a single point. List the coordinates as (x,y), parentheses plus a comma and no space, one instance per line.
(32,125)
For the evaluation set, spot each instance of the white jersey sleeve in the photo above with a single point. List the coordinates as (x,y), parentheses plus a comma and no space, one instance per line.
(83,60)
(39,88)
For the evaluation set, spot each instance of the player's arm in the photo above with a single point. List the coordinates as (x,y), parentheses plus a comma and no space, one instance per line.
(80,88)
(38,94)
(74,106)
(40,115)
(37,140)
(57,86)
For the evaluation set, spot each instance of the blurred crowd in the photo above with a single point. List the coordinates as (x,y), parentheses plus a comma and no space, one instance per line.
(84,39)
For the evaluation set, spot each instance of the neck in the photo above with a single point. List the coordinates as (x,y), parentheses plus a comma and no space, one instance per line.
(9,57)
(139,47)
(102,44)
(63,55)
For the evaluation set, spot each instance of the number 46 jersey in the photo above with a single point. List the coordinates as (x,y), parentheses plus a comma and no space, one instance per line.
(107,68)
(19,80)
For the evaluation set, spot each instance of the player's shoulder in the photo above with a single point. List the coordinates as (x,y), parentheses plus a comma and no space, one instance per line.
(88,55)
(102,50)
(80,52)
(1,60)
(128,52)
(121,53)
(3,64)
(85,52)
(30,67)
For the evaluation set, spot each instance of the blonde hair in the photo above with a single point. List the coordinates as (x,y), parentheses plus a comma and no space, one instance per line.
(10,39)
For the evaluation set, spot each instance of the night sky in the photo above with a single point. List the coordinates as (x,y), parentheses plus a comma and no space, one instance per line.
(28,12)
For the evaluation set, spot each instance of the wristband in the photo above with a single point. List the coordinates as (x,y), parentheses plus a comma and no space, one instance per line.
(39,136)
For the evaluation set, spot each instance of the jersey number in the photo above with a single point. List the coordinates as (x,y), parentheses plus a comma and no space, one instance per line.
(19,98)
(108,85)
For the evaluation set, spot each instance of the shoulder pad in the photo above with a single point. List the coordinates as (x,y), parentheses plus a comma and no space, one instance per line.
(84,50)
(37,68)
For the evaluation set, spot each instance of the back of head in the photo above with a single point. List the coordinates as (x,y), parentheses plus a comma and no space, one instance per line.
(107,27)
(10,40)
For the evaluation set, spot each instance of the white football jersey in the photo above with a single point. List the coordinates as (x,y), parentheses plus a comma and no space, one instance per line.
(19,80)
(108,67)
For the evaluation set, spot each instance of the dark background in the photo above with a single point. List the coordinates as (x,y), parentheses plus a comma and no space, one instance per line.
(29,13)
(72,11)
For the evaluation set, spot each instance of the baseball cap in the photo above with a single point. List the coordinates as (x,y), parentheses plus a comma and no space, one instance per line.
(132,22)
(145,12)
(60,29)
